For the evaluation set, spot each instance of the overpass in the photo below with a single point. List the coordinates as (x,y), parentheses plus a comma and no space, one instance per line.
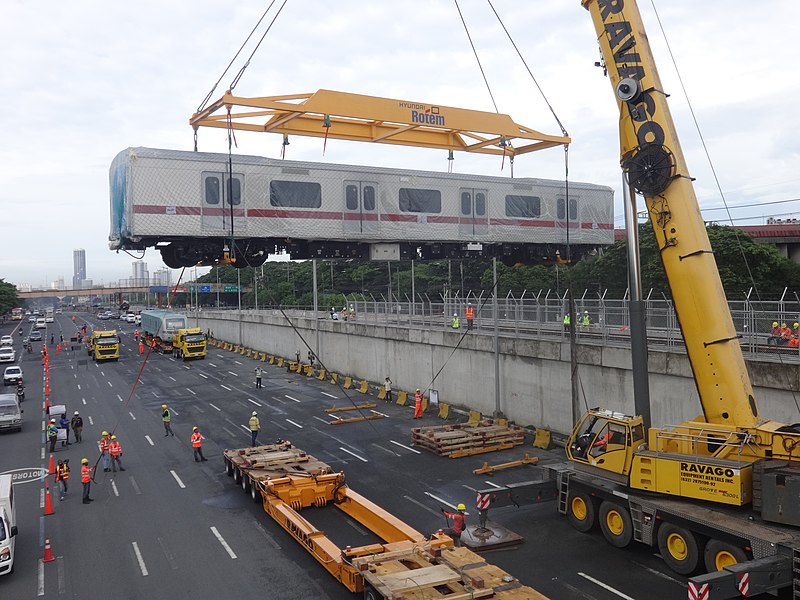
(202,288)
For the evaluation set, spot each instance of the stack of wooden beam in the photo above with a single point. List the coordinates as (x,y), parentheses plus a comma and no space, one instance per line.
(277,460)
(460,440)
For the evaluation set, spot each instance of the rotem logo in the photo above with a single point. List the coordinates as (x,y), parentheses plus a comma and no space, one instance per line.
(426,116)
(26,475)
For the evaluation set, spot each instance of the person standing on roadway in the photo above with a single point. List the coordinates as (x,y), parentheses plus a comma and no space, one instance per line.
(62,475)
(77,426)
(141,347)
(197,445)
(387,385)
(52,435)
(63,423)
(86,479)
(104,443)
(259,374)
(115,450)
(459,523)
(136,336)
(255,426)
(418,404)
(469,313)
(166,418)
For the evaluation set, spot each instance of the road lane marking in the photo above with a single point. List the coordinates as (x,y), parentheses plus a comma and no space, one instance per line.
(84,401)
(174,412)
(131,414)
(225,387)
(290,398)
(91,422)
(110,384)
(79,386)
(229,432)
(269,538)
(441,500)
(356,526)
(186,367)
(147,437)
(40,579)
(61,576)
(42,453)
(605,586)
(494,485)
(213,365)
(140,559)
(114,487)
(154,394)
(223,542)
(178,479)
(214,407)
(170,559)
(295,424)
(43,426)
(135,486)
(221,355)
(361,458)
(392,452)
(421,505)
(320,419)
(102,373)
(173,379)
(254,402)
(120,398)
(245,427)
(203,376)
(404,446)
(234,374)
(281,400)
(41,498)
(237,362)
(191,392)
(377,412)
(330,395)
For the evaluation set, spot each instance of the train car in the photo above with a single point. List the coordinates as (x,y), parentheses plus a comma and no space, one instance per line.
(162,324)
(190,205)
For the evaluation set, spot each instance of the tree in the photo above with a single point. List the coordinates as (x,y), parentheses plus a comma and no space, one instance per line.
(8,297)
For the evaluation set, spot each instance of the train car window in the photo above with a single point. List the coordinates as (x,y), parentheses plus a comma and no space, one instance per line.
(211,189)
(369,197)
(573,209)
(295,194)
(523,206)
(427,201)
(233,190)
(466,203)
(351,197)
(480,203)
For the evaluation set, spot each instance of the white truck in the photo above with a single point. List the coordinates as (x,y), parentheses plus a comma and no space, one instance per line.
(8,525)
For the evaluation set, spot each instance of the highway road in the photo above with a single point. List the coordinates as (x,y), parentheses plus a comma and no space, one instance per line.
(170,527)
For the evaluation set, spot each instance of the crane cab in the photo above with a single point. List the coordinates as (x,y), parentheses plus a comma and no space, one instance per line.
(606,440)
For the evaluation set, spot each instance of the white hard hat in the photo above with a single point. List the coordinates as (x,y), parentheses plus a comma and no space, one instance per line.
(254,413)
(75,413)
(455,314)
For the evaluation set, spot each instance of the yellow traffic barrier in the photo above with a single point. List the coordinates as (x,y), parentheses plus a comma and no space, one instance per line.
(235,349)
(542,439)
(348,382)
(334,378)
(271,359)
(309,370)
(402,398)
(263,356)
(444,410)
(242,351)
(381,393)
(424,403)
(474,418)
(280,362)
(321,375)
(249,351)
(364,389)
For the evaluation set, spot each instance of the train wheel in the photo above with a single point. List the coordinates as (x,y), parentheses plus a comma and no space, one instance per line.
(678,548)
(169,257)
(616,524)
(719,555)
(581,511)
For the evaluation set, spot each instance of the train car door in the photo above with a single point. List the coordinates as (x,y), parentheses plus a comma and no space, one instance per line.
(563,218)
(360,207)
(472,217)
(216,214)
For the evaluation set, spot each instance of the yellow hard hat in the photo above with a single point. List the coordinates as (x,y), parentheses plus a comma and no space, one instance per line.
(104,433)
(796,325)
(165,406)
(194,428)
(84,461)
(461,506)
(775,324)
(417,389)
(113,437)
(783,324)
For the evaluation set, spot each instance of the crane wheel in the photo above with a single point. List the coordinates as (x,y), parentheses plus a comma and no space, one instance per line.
(679,548)
(719,555)
(616,524)
(581,511)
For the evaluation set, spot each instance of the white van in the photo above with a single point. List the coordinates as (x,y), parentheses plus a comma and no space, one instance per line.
(40,323)
(8,525)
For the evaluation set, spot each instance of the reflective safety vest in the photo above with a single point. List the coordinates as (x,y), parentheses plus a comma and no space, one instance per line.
(470,312)
(86,474)
(115,448)
(456,324)
(52,431)
(417,398)
(459,521)
(566,319)
(104,443)
(166,417)
(62,472)
(197,439)
(254,424)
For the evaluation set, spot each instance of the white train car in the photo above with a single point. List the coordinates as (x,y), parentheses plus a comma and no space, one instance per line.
(162,324)
(187,205)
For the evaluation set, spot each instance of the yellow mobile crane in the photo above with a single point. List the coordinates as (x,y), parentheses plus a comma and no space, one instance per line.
(719,494)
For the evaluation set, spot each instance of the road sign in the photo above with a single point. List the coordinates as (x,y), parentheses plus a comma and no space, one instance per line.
(205,288)
(230,288)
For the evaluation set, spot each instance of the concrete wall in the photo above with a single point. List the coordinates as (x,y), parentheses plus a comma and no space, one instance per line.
(534,374)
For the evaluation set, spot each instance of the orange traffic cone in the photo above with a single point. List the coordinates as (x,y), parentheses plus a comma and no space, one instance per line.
(46,388)
(52,469)
(48,553)
(48,501)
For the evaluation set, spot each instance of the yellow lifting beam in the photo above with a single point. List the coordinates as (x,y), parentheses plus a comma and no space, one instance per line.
(360,118)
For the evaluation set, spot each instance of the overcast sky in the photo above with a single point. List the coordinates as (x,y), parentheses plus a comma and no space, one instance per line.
(83,80)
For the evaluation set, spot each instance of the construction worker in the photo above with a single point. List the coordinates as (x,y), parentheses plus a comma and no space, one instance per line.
(352,313)
(86,479)
(418,404)
(77,426)
(459,523)
(52,434)
(585,319)
(255,426)
(197,444)
(166,418)
(136,335)
(387,385)
(566,322)
(259,374)
(455,323)
(115,450)
(775,335)
(141,347)
(63,423)
(794,342)
(469,313)
(62,475)
(103,444)
(786,334)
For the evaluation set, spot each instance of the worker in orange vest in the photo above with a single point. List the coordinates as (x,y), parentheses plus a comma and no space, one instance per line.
(115,450)
(786,334)
(141,347)
(104,444)
(469,313)
(136,335)
(86,479)
(418,404)
(197,445)
(459,523)
(62,476)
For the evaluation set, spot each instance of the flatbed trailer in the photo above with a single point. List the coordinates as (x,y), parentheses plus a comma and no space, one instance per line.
(405,566)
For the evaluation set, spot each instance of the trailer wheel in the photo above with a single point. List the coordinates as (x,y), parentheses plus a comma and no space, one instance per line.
(678,548)
(255,493)
(370,594)
(237,476)
(229,468)
(616,524)
(245,483)
(581,511)
(719,555)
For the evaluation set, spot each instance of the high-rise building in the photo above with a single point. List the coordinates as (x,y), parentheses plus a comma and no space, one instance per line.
(140,275)
(79,264)
(162,277)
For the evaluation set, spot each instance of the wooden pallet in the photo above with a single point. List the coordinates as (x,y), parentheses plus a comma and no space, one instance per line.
(276,460)
(454,573)
(465,440)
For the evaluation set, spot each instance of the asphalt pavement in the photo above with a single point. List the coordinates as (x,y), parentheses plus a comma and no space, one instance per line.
(170,527)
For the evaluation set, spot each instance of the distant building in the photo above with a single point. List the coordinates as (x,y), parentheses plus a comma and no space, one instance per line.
(79,268)
(162,277)
(58,284)
(140,275)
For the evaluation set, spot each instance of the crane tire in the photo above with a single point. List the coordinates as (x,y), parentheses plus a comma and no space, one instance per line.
(616,524)
(581,511)
(719,555)
(679,548)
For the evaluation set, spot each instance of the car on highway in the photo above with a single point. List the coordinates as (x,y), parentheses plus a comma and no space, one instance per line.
(10,413)
(41,323)
(35,336)
(12,375)
(6,340)
(7,354)
(31,319)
